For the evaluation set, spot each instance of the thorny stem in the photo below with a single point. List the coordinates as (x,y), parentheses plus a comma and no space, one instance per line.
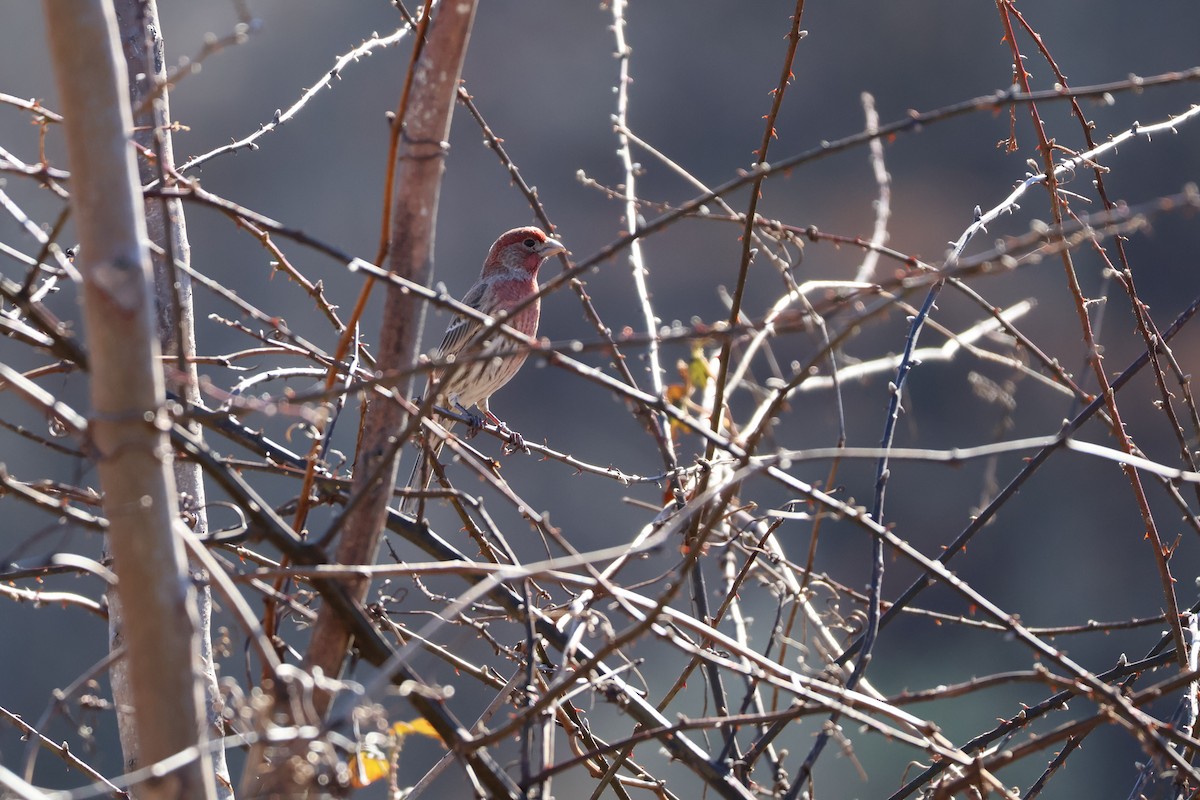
(1057,204)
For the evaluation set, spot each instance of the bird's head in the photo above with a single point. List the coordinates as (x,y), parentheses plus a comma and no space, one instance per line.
(521,250)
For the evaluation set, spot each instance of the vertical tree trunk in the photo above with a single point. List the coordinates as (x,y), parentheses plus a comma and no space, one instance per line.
(133,458)
(145,55)
(421,161)
(420,164)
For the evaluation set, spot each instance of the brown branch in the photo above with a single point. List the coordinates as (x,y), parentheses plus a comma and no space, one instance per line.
(1058,209)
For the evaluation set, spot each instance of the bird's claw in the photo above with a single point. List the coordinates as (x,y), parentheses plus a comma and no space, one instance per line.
(515,441)
(474,419)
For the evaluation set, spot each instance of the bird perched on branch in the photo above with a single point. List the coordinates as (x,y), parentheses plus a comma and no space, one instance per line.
(508,279)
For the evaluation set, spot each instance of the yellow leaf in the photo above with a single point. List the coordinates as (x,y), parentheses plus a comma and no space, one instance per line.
(368,768)
(698,367)
(373,760)
(418,725)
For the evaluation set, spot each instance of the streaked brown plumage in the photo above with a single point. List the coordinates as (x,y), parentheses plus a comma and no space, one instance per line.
(508,278)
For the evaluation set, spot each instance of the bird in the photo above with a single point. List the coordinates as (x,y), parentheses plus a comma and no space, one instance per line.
(508,279)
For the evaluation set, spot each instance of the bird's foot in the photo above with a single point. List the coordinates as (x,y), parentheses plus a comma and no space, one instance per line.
(474,419)
(514,442)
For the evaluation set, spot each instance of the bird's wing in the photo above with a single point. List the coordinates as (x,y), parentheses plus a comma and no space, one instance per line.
(462,329)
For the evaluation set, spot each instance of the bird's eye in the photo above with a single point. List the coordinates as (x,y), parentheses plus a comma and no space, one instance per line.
(530,243)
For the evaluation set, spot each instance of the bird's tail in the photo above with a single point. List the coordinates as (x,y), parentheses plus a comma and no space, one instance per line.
(422,473)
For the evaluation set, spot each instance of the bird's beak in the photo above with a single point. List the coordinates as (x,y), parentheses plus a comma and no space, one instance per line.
(551,247)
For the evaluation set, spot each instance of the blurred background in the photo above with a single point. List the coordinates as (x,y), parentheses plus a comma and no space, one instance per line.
(1070,548)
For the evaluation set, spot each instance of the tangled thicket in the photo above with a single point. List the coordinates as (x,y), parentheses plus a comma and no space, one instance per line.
(753,575)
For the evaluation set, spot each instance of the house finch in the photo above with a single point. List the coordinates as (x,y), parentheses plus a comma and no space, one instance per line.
(508,277)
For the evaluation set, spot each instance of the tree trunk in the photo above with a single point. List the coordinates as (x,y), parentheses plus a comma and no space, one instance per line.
(133,459)
(420,164)
(421,161)
(145,56)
